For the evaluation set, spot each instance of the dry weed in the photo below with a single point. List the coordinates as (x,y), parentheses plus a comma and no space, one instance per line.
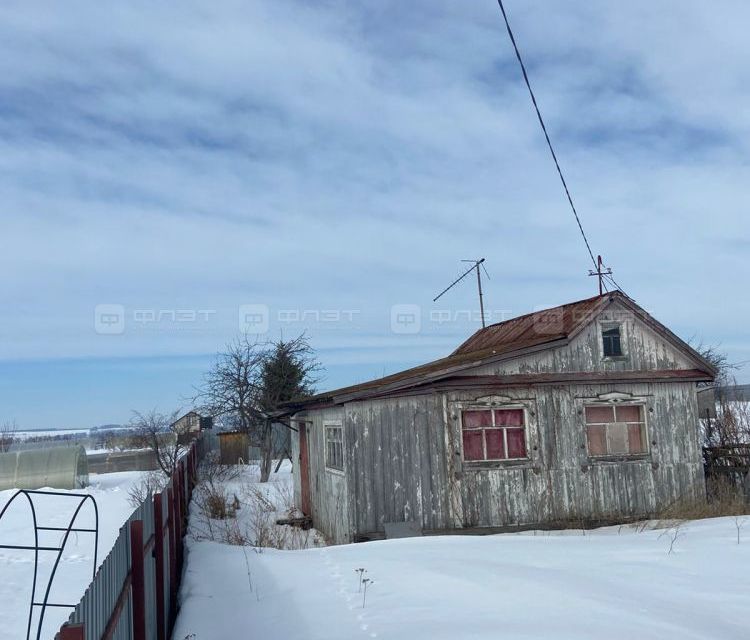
(724,500)
(150,484)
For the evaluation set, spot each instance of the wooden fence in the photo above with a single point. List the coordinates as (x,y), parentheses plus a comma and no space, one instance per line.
(730,463)
(134,593)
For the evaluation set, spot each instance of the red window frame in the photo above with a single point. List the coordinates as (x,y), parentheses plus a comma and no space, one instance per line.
(616,430)
(491,435)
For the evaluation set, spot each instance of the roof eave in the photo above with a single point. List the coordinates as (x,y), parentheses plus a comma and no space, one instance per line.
(333,398)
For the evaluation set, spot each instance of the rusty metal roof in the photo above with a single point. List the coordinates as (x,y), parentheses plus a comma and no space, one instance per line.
(534,328)
(542,329)
(436,369)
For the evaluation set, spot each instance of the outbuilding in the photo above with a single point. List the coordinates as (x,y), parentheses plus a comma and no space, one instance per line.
(55,467)
(580,414)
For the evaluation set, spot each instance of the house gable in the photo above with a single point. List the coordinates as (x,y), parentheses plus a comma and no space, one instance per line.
(646,345)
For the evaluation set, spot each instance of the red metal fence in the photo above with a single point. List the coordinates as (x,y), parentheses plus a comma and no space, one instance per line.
(134,593)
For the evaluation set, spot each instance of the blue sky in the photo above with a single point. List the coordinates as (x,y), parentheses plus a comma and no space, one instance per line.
(324,163)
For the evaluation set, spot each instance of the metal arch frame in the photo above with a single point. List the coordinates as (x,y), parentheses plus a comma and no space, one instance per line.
(28,493)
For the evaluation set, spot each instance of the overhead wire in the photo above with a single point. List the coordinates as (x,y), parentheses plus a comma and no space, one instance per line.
(549,141)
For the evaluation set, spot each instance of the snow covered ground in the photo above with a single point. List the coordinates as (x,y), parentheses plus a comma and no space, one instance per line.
(74,572)
(255,507)
(613,583)
(25,435)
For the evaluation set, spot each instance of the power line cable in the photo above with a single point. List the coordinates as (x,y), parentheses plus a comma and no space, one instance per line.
(616,285)
(544,129)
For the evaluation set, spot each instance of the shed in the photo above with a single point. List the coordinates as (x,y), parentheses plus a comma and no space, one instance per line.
(55,467)
(233,447)
(582,413)
(707,402)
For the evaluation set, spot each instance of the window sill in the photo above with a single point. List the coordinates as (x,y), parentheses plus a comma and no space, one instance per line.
(480,465)
(641,457)
(615,358)
(335,472)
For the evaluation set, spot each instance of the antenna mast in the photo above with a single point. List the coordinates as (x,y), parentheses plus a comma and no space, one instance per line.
(475,265)
(601,273)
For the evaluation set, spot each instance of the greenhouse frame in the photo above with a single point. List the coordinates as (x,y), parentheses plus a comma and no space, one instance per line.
(54,467)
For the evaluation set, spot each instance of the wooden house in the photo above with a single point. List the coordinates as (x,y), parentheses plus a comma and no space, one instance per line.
(583,413)
(188,423)
(188,426)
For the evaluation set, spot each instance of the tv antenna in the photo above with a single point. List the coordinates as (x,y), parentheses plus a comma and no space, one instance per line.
(475,266)
(601,272)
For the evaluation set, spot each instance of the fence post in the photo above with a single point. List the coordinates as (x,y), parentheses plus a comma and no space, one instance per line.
(195,462)
(137,580)
(194,465)
(194,468)
(180,514)
(159,566)
(177,517)
(185,484)
(172,554)
(191,472)
(72,632)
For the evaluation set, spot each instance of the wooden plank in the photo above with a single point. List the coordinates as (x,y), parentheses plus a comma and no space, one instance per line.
(159,567)
(138,589)
(172,511)
(72,632)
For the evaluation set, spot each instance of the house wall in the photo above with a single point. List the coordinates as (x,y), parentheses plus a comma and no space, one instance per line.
(561,483)
(399,457)
(329,492)
(188,422)
(404,461)
(407,455)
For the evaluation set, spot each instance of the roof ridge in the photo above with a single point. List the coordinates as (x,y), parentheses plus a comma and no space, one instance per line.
(535,321)
(559,306)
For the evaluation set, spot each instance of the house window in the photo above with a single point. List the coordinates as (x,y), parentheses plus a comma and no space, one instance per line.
(494,434)
(611,342)
(616,430)
(335,447)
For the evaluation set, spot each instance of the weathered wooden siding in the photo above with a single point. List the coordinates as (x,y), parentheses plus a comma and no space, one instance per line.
(406,461)
(329,492)
(398,461)
(561,483)
(403,455)
(644,350)
(296,480)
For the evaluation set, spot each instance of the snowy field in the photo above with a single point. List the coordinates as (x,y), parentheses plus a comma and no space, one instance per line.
(74,572)
(25,435)
(613,583)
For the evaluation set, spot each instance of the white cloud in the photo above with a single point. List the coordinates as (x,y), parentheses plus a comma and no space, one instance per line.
(347,156)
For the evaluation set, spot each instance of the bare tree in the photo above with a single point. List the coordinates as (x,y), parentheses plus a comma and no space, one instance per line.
(249,381)
(163,435)
(233,385)
(725,437)
(732,423)
(7,435)
(232,389)
(716,357)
